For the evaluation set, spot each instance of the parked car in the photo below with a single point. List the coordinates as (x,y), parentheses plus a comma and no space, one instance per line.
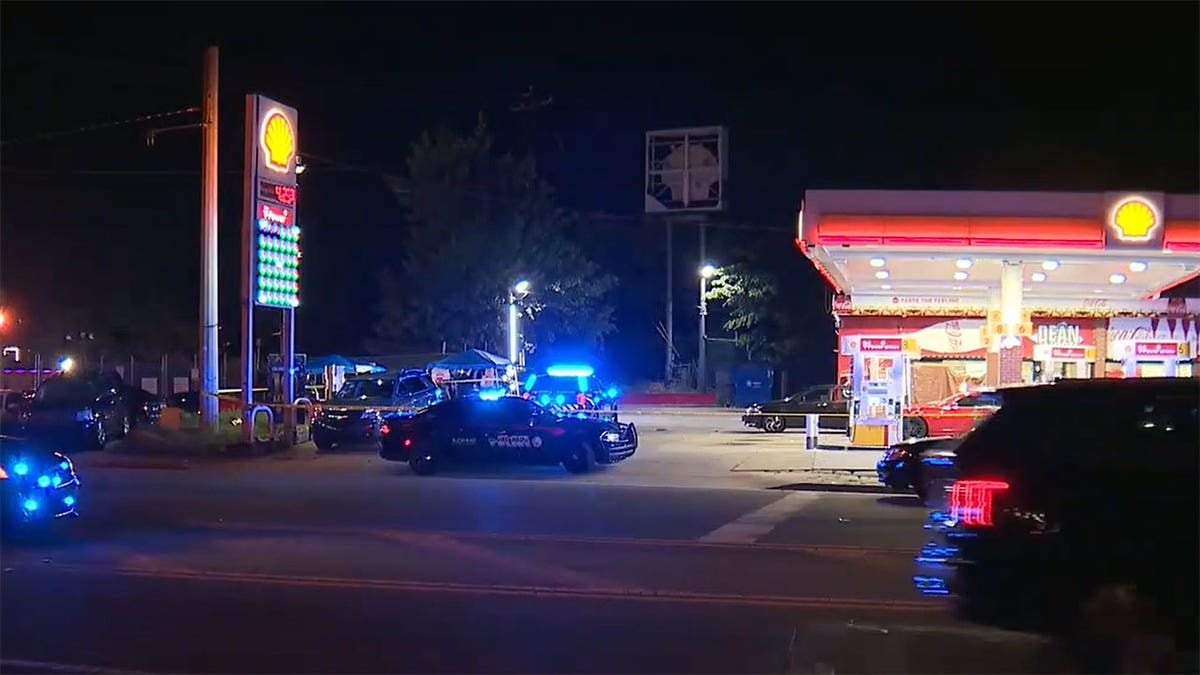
(827,400)
(77,410)
(953,416)
(1074,494)
(355,413)
(917,465)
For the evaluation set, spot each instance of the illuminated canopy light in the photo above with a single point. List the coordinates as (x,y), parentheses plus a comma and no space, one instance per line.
(1116,279)
(1137,266)
(1050,265)
(882,274)
(960,276)
(964,263)
(66,363)
(1038,276)
(570,371)
(886,287)
(878,262)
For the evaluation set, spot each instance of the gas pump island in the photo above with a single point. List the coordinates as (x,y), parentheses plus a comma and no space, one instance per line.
(880,387)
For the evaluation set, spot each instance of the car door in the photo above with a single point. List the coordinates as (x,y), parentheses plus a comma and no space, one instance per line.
(517,433)
(960,416)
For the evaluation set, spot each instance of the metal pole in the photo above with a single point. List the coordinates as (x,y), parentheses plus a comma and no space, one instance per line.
(208,247)
(248,362)
(702,362)
(287,352)
(670,311)
(512,339)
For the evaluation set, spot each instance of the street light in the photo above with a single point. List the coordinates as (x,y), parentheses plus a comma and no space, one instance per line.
(519,289)
(66,364)
(707,271)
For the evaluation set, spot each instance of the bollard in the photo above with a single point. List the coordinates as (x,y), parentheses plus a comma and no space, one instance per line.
(812,431)
(270,423)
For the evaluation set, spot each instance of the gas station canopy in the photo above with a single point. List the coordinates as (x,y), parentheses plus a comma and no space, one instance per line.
(1072,248)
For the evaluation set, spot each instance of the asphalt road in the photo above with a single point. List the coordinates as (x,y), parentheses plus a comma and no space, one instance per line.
(339,564)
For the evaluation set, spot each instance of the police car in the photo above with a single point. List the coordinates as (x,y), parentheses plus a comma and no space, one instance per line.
(572,389)
(500,427)
(37,485)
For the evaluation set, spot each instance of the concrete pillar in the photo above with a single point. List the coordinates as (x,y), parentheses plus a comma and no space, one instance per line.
(1100,366)
(1008,347)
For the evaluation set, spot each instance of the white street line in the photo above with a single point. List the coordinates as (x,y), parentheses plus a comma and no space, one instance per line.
(754,525)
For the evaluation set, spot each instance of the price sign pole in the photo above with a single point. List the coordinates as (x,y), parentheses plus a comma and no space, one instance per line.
(270,241)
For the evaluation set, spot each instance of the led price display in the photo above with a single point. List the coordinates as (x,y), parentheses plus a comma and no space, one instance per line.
(278,264)
(280,194)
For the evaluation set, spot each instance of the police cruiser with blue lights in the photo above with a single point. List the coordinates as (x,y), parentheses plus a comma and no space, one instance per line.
(567,388)
(495,426)
(37,486)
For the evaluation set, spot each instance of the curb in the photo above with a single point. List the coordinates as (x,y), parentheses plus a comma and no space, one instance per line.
(835,487)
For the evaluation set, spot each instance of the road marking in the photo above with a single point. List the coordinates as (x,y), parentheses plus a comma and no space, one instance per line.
(388,533)
(752,526)
(25,665)
(631,594)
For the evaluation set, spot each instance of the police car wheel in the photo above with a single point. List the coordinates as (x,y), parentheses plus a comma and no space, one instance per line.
(581,460)
(422,466)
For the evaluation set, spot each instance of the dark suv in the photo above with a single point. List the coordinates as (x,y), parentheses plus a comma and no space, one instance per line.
(354,414)
(1073,496)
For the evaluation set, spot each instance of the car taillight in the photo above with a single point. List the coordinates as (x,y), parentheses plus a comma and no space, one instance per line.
(971,501)
(408,442)
(385,429)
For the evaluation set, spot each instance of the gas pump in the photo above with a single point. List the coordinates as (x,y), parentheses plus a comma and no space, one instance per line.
(880,387)
(1164,356)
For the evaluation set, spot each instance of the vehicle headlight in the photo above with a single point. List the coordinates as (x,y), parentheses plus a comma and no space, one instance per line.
(83,415)
(610,437)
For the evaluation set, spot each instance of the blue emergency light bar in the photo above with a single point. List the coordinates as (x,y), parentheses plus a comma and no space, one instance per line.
(492,395)
(570,371)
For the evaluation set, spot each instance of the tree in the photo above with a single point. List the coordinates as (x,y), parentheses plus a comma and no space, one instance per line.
(780,327)
(478,223)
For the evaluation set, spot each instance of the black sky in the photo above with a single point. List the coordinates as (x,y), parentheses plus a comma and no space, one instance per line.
(1088,96)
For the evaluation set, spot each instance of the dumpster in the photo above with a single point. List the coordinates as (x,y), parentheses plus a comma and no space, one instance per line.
(752,383)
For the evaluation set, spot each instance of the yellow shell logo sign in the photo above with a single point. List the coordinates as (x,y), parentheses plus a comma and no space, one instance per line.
(278,142)
(1134,220)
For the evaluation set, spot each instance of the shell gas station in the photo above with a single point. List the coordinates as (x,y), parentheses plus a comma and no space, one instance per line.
(941,292)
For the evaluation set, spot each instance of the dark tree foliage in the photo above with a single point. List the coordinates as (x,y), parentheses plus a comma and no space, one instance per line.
(480,221)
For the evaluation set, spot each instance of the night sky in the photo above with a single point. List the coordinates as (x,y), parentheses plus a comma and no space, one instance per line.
(1078,96)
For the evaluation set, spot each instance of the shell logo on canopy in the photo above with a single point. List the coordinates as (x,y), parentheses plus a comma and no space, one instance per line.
(278,141)
(1134,220)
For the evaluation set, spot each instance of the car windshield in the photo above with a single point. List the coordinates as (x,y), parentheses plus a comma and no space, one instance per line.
(65,392)
(363,389)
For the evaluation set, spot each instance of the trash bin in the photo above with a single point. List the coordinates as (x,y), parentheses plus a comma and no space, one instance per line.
(752,383)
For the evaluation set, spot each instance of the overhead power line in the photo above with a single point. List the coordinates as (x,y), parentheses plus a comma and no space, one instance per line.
(97,127)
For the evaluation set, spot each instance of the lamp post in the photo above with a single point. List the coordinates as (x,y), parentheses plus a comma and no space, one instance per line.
(706,272)
(519,290)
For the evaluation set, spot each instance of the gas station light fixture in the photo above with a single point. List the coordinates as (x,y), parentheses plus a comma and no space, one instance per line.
(882,274)
(1137,266)
(878,262)
(886,287)
(1038,276)
(1116,279)
(1050,265)
(960,276)
(964,263)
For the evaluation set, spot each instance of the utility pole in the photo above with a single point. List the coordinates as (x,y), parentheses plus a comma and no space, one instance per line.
(670,370)
(208,247)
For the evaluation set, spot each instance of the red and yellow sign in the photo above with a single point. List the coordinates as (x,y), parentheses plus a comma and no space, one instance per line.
(1134,220)
(278,141)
